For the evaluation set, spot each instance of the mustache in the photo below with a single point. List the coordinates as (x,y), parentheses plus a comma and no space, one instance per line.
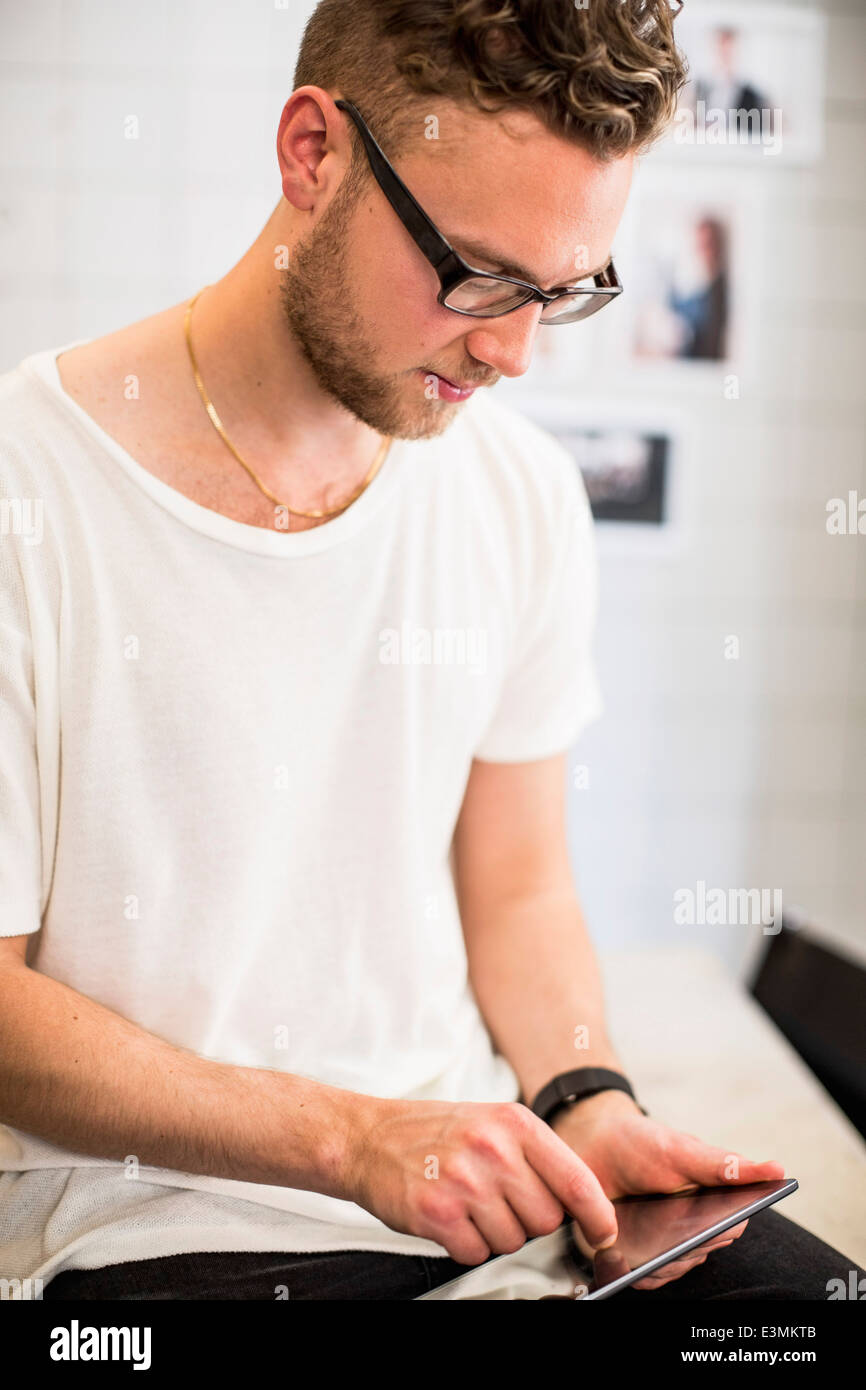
(464,378)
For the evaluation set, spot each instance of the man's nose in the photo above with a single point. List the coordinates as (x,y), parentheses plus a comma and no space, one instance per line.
(506,342)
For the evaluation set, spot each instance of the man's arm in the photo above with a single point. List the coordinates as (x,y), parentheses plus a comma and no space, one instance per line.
(80,1075)
(536,980)
(531,962)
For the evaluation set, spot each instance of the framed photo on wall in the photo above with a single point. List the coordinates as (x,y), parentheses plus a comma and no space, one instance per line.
(756,86)
(631,459)
(689,258)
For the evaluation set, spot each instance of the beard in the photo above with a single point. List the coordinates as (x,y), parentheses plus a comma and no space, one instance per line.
(320,313)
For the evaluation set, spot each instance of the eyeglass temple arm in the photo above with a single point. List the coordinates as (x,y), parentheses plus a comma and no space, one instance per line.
(425,234)
(412,215)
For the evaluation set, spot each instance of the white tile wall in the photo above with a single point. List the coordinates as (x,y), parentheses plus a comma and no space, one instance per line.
(745,773)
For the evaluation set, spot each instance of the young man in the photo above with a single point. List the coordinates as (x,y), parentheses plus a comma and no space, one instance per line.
(290,664)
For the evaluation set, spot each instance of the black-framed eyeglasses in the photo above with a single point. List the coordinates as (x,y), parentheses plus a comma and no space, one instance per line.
(464,288)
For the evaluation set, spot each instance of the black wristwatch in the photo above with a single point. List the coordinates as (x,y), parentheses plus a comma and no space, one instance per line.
(572,1086)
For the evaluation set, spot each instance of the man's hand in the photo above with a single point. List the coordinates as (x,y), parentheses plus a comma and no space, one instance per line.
(632,1153)
(479,1179)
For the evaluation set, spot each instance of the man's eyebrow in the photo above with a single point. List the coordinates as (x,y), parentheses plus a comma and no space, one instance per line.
(478,251)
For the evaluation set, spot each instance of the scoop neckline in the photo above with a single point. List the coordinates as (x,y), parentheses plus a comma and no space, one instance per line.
(257,539)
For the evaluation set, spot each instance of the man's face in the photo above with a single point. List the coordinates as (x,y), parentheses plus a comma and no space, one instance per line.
(360,298)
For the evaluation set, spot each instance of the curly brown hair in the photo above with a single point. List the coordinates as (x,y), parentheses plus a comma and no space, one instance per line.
(602,73)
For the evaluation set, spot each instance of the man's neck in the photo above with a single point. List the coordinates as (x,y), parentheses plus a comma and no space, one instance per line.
(303,444)
(306,449)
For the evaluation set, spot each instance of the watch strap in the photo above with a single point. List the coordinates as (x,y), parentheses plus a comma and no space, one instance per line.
(571,1086)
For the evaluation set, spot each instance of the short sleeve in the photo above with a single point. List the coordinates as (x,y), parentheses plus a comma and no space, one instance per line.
(20,835)
(551,690)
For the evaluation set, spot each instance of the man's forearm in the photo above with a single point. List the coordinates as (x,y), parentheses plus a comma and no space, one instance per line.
(79,1075)
(539,988)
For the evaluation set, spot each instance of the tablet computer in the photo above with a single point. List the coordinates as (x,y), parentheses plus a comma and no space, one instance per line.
(653,1230)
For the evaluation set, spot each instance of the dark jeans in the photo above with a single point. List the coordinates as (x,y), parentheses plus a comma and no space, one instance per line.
(773,1259)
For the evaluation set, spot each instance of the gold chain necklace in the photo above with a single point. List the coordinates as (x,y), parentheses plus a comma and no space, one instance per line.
(218,426)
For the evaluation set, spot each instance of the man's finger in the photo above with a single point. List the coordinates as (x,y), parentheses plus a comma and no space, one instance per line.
(572,1182)
(666,1274)
(709,1166)
(725,1237)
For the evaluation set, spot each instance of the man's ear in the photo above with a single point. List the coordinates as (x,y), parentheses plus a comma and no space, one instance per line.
(313,148)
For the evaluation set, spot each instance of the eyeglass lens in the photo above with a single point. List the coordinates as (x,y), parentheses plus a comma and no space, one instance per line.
(487,298)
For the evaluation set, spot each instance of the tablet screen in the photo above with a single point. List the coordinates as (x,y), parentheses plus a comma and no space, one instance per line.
(652,1230)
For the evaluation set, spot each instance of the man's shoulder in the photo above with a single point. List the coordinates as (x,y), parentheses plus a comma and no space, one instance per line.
(42,395)
(38,412)
(25,413)
(18,391)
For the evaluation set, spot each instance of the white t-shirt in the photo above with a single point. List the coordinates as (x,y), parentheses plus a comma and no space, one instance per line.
(231,761)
